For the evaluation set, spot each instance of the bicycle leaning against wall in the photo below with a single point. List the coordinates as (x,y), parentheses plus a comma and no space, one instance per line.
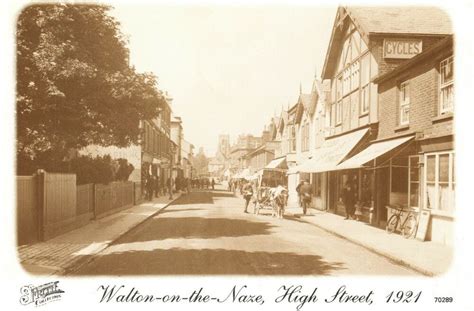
(410,224)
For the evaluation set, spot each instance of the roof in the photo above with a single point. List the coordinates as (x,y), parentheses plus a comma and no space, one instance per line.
(406,20)
(445,44)
(402,19)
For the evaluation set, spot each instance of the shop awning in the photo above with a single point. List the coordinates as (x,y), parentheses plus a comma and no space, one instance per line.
(331,153)
(279,163)
(373,151)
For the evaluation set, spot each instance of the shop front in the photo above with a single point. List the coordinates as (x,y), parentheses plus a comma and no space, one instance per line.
(317,170)
(385,176)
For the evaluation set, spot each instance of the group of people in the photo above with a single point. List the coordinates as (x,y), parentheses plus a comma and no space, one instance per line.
(203,183)
(305,193)
(156,186)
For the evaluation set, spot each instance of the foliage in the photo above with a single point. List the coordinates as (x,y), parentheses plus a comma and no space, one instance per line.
(74,84)
(200,163)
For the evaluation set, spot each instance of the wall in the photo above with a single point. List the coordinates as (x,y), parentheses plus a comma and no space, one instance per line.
(424,98)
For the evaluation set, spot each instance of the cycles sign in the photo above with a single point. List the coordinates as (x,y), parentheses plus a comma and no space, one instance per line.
(401,48)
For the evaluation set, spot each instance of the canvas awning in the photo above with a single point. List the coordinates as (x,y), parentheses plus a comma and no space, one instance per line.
(279,163)
(375,150)
(331,153)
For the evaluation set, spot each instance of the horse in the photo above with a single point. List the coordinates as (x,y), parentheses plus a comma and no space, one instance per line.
(279,196)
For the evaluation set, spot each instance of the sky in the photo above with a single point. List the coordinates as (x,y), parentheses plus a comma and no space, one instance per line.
(229,69)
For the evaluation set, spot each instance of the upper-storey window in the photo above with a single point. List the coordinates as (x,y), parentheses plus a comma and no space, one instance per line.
(404,103)
(352,79)
(446,102)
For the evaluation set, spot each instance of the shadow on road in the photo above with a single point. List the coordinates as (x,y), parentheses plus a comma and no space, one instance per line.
(194,228)
(208,262)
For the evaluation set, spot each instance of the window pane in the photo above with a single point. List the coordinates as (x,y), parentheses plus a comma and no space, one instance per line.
(444,168)
(430,195)
(430,168)
(447,70)
(364,69)
(446,202)
(447,98)
(414,170)
(414,194)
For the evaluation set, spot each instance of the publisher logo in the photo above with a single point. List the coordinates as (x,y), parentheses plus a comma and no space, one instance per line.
(40,295)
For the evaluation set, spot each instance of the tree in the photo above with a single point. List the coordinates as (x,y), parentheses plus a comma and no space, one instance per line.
(74,84)
(201,162)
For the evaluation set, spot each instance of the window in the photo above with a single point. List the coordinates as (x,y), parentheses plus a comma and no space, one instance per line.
(305,137)
(414,185)
(404,103)
(339,112)
(439,181)
(292,139)
(365,84)
(446,86)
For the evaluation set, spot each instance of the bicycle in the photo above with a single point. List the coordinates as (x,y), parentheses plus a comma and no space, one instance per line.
(408,227)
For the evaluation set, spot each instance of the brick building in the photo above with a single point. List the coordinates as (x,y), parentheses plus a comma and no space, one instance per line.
(367,43)
(417,100)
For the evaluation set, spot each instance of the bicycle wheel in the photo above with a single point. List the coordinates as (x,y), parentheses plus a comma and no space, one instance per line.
(409,226)
(392,224)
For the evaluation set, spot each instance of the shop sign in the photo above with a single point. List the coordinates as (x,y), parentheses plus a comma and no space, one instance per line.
(401,48)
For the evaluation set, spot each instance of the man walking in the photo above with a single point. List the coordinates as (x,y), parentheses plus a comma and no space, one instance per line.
(305,194)
(248,193)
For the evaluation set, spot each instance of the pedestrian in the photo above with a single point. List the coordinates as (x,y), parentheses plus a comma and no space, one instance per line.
(248,194)
(213,183)
(149,187)
(170,188)
(156,185)
(298,191)
(348,199)
(188,185)
(306,193)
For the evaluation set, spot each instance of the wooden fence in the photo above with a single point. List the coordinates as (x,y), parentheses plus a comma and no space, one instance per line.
(113,197)
(27,212)
(50,204)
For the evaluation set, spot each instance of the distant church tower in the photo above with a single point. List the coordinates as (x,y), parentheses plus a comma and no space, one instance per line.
(223,148)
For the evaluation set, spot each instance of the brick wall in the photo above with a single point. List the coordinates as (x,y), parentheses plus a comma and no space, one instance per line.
(423,78)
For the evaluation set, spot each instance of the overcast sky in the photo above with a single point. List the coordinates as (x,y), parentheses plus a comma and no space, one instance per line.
(229,69)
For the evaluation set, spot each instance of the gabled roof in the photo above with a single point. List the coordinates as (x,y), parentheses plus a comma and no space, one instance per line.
(402,20)
(283,120)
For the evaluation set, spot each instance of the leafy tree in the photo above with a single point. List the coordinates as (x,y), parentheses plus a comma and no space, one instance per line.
(74,84)
(201,162)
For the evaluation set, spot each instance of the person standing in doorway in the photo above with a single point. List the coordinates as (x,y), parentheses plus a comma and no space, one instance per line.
(348,198)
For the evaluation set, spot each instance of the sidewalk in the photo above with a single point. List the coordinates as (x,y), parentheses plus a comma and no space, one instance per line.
(428,258)
(62,253)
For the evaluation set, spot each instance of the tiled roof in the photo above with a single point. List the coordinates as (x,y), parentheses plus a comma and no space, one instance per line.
(402,19)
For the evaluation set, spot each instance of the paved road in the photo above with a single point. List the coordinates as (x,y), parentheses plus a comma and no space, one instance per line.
(208,233)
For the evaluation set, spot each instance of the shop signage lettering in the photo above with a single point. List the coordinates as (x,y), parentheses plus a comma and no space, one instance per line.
(401,48)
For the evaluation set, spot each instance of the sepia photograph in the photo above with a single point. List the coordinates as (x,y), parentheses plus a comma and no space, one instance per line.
(234,140)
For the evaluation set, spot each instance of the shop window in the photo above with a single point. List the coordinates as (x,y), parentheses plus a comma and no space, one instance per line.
(404,103)
(446,86)
(316,184)
(440,181)
(366,188)
(399,179)
(414,185)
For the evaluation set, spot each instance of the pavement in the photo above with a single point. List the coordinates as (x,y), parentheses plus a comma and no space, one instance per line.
(73,249)
(428,258)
